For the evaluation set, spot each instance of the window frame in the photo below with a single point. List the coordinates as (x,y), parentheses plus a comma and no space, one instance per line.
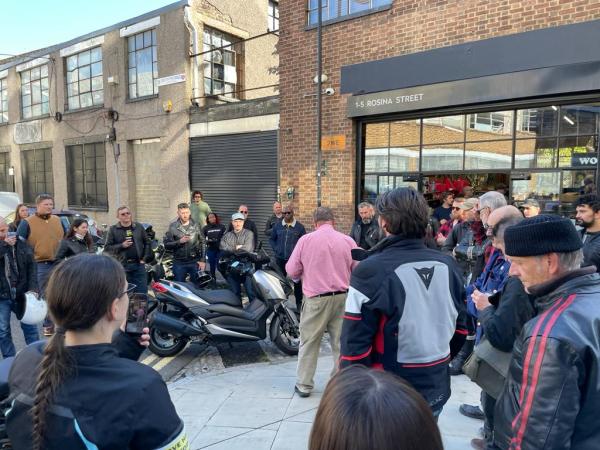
(207,58)
(80,189)
(29,82)
(77,69)
(4,102)
(153,51)
(273,15)
(343,10)
(47,173)
(5,180)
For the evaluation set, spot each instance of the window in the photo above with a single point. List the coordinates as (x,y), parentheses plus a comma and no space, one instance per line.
(36,166)
(3,100)
(220,65)
(86,176)
(143,64)
(5,178)
(273,24)
(333,9)
(85,86)
(34,92)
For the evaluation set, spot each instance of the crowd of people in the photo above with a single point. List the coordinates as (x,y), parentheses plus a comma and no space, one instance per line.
(507,296)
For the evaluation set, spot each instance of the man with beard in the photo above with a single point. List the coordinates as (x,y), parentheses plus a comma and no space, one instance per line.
(365,231)
(588,216)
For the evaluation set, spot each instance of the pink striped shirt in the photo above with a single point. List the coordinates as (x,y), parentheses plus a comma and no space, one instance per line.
(323,261)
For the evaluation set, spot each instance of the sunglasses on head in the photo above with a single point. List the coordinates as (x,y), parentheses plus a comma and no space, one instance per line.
(243,212)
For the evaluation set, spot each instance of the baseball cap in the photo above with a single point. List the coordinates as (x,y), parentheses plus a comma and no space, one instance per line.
(469,204)
(237,216)
(531,202)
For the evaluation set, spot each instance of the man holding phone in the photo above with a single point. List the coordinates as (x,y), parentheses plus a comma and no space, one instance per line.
(128,242)
(18,275)
(185,239)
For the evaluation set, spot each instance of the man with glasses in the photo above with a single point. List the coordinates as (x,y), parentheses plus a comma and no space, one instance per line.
(185,239)
(284,238)
(456,217)
(43,231)
(128,242)
(248,224)
(199,209)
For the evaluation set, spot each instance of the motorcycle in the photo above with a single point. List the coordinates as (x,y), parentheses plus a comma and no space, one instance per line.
(184,313)
(162,265)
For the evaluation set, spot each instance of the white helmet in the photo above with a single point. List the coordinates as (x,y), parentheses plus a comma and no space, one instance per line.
(36,309)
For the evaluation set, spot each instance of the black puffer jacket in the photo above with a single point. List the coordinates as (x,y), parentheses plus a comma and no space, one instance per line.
(373,235)
(591,249)
(551,396)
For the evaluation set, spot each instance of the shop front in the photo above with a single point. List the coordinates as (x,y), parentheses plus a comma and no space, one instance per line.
(529,126)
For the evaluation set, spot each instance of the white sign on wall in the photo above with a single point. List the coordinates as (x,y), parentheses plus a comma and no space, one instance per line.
(171,80)
(28,132)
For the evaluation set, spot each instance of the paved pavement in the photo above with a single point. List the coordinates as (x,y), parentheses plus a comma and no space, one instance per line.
(254,407)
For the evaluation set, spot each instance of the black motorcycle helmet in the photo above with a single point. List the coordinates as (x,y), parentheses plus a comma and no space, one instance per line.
(204,279)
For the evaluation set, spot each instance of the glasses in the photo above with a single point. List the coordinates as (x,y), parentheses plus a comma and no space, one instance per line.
(130,289)
(455,208)
(287,213)
(125,213)
(244,212)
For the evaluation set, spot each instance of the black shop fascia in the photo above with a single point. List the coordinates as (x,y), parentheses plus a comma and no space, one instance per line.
(518,113)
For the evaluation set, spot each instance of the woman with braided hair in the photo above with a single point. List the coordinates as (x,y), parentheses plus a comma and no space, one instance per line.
(83,389)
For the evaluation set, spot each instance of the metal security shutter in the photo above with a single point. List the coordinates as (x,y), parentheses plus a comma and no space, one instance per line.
(236,169)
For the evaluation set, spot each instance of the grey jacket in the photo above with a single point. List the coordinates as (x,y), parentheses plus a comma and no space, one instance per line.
(231,240)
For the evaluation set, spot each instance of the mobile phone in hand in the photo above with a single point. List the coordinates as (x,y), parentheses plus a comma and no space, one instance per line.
(137,314)
(11,234)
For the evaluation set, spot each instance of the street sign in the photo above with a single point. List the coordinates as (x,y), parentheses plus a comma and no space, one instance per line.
(333,142)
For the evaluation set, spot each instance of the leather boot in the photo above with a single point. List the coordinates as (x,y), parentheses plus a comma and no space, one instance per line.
(457,363)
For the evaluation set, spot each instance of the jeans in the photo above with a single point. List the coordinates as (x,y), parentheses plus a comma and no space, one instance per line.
(136,274)
(6,344)
(213,259)
(181,270)
(43,273)
(235,284)
(297,286)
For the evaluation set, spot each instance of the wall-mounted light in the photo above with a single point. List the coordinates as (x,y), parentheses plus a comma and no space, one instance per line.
(554,108)
(324,78)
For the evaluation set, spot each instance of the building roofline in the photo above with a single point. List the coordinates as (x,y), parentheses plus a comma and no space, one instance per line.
(24,57)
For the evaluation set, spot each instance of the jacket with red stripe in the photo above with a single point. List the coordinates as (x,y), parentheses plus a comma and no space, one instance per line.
(403,308)
(551,399)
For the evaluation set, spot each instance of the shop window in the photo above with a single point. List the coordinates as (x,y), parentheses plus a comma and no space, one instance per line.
(536,122)
(488,155)
(535,153)
(579,119)
(490,126)
(220,65)
(85,85)
(577,151)
(544,186)
(3,100)
(376,160)
(143,64)
(436,158)
(36,167)
(86,176)
(370,188)
(439,130)
(333,9)
(34,92)
(404,159)
(405,132)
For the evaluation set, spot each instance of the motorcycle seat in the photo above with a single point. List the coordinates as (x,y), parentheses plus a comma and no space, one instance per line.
(218,296)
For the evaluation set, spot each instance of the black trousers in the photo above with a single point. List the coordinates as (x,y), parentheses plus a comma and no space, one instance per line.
(297,286)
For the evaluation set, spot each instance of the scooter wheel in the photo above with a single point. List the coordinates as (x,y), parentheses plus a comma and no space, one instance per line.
(165,344)
(285,336)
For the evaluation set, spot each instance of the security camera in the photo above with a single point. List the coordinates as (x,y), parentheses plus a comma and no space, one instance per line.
(329,91)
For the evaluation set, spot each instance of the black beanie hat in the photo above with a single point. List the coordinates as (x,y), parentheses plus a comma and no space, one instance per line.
(541,235)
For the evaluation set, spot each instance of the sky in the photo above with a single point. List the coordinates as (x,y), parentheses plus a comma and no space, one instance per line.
(31,24)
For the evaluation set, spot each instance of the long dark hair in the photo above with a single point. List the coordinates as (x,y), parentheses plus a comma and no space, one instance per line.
(217,220)
(18,219)
(363,408)
(87,238)
(76,301)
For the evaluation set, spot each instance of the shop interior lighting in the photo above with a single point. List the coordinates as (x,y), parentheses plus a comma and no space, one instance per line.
(569,120)
(554,108)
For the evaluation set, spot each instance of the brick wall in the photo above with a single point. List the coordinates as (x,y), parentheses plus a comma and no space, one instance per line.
(409,26)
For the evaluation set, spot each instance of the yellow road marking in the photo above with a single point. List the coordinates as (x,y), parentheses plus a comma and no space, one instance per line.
(149,359)
(163,362)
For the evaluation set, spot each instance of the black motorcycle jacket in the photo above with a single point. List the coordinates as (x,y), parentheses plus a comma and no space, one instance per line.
(591,249)
(552,392)
(405,304)
(373,234)
(193,250)
(108,402)
(70,247)
(117,235)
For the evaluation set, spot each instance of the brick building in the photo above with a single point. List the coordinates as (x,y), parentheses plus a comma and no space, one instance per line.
(133,86)
(428,91)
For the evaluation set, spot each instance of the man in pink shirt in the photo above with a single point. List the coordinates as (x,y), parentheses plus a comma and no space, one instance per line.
(323,261)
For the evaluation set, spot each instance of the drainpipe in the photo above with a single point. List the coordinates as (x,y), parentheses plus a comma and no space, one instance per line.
(194,37)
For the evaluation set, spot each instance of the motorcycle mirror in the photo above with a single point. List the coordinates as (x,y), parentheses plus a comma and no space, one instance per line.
(359,254)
